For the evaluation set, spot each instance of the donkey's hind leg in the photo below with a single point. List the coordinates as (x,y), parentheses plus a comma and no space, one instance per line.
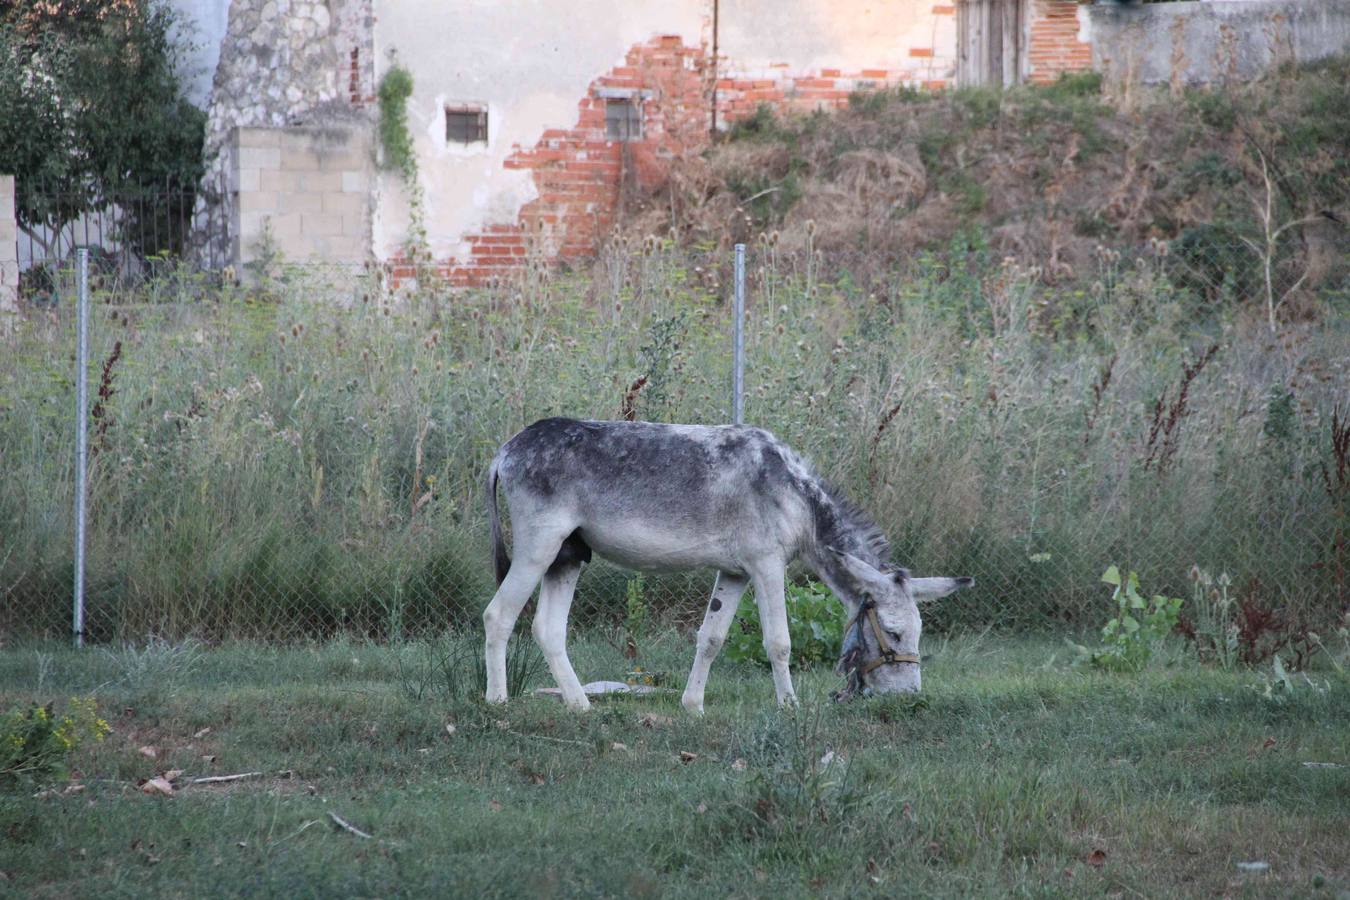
(499,619)
(726,595)
(550,630)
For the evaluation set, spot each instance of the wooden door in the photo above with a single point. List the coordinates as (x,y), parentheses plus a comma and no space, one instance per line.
(989,38)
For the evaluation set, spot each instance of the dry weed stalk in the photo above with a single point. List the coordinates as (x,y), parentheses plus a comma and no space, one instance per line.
(1165,433)
(105,394)
(628,407)
(1336,480)
(1099,387)
(1270,237)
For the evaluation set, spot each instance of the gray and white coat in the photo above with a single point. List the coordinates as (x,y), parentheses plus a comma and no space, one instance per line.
(674,497)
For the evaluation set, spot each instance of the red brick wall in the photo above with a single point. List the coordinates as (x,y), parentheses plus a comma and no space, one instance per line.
(580,174)
(1054,47)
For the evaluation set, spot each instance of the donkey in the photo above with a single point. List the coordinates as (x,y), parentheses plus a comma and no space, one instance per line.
(670,497)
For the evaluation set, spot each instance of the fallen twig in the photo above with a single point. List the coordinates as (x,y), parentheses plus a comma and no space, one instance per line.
(347,826)
(216,779)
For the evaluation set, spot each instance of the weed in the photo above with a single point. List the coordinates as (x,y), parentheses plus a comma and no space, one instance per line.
(1164,433)
(452,669)
(101,414)
(159,666)
(800,787)
(1214,632)
(635,618)
(1136,630)
(35,743)
(815,627)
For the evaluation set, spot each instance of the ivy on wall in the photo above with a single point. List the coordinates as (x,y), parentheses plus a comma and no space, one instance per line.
(396,142)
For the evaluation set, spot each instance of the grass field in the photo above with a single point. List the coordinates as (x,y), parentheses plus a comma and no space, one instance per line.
(1015,774)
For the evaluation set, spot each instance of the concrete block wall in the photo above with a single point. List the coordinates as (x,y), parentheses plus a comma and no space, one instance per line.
(9,248)
(309,186)
(1196,43)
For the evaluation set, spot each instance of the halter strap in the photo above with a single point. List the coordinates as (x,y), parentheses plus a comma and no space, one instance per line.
(887,655)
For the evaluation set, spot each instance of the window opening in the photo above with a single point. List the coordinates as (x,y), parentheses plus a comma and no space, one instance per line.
(466,125)
(623,120)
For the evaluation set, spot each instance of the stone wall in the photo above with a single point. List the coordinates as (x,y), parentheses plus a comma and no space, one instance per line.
(9,248)
(308,187)
(282,63)
(1197,43)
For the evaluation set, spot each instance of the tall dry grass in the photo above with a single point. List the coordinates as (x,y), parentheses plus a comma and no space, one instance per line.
(313,464)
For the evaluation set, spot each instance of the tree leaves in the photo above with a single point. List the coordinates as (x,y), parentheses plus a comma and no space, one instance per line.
(92,108)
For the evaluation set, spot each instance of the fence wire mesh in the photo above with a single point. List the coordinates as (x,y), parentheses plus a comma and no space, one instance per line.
(303,456)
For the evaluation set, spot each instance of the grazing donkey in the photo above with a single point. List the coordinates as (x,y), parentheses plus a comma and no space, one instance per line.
(670,497)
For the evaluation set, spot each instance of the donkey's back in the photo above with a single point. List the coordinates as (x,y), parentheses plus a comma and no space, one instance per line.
(651,496)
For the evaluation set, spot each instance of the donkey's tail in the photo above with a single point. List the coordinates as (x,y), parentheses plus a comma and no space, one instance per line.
(501,559)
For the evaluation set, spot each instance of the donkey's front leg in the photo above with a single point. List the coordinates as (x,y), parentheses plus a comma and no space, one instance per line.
(773,621)
(726,595)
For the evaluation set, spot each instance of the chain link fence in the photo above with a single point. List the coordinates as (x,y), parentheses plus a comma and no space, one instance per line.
(302,457)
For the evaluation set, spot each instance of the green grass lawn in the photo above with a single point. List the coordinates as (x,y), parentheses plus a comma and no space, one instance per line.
(1015,774)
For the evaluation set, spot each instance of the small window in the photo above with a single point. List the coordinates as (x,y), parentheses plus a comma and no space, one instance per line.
(623,120)
(466,125)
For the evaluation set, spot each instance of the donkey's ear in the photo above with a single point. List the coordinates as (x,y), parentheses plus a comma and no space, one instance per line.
(858,569)
(925,589)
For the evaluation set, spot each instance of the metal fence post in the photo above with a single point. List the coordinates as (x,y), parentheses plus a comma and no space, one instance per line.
(81,428)
(738,343)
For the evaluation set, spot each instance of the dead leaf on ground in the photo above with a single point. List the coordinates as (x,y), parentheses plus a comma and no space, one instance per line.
(1097,858)
(148,751)
(687,757)
(201,733)
(618,746)
(157,785)
(738,765)
(450,728)
(172,775)
(701,808)
(494,806)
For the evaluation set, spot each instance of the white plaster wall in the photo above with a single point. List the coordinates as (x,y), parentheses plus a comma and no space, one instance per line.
(203,26)
(530,62)
(834,34)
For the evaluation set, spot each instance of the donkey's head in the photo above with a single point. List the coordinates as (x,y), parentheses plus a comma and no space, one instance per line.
(880,651)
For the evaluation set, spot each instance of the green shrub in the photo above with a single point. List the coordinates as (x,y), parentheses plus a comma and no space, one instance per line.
(35,743)
(1137,628)
(815,627)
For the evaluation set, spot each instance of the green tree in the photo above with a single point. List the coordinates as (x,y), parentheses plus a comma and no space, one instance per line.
(92,107)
